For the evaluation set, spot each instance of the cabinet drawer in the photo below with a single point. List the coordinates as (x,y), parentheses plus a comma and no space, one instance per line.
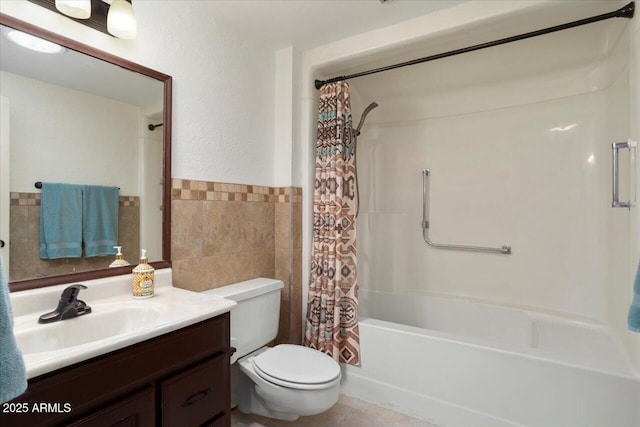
(223,420)
(196,395)
(137,410)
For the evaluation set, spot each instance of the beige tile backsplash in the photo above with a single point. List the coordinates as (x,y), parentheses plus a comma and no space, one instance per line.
(25,262)
(223,233)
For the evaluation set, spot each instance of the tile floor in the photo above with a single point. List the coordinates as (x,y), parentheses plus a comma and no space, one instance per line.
(348,412)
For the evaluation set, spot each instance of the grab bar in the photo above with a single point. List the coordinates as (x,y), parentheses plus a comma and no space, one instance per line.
(506,250)
(615,177)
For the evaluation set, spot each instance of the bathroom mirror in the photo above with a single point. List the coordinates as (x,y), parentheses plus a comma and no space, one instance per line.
(81,117)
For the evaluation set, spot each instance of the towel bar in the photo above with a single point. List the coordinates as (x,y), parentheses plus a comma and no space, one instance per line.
(38,184)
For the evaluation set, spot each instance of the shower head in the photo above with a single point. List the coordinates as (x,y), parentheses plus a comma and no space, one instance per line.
(364,115)
(369,108)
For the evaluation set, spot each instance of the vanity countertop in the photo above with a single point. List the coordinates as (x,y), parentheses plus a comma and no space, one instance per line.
(117,319)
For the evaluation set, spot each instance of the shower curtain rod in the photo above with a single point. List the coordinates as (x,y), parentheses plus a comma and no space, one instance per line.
(624,12)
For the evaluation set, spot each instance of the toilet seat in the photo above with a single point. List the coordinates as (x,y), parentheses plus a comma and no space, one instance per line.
(297,367)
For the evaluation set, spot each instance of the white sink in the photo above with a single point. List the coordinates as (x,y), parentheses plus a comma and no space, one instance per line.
(104,321)
(116,319)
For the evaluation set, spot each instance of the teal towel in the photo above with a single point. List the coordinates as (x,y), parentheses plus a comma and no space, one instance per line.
(634,311)
(60,221)
(13,377)
(100,220)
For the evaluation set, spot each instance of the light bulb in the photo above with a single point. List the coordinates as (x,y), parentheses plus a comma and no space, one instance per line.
(121,21)
(31,42)
(80,9)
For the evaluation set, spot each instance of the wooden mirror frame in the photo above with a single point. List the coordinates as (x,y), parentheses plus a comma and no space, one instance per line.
(21,285)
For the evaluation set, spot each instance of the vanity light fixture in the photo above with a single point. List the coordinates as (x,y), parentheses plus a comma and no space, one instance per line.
(31,42)
(79,9)
(121,21)
(113,17)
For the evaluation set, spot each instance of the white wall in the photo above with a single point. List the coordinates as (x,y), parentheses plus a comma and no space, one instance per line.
(286,117)
(75,141)
(223,84)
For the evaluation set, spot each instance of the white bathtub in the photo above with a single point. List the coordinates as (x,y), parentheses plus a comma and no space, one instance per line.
(460,363)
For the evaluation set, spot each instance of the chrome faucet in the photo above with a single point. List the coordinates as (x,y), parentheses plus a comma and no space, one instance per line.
(69,306)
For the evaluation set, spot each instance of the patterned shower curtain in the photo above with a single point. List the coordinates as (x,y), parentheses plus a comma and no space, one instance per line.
(332,310)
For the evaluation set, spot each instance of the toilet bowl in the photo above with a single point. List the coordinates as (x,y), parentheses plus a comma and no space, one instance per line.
(288,381)
(282,382)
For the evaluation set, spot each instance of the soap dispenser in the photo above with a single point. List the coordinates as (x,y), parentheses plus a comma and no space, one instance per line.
(143,278)
(119,261)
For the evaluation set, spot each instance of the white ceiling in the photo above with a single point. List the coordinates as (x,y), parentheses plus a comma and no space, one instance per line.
(276,23)
(309,23)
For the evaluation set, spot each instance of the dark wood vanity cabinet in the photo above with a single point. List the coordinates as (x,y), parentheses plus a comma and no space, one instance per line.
(137,410)
(180,379)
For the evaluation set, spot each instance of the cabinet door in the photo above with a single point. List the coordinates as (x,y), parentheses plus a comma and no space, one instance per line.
(196,395)
(223,420)
(137,410)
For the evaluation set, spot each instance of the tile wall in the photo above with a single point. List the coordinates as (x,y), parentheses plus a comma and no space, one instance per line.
(223,233)
(24,223)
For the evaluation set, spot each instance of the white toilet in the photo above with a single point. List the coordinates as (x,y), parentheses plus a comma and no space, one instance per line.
(285,381)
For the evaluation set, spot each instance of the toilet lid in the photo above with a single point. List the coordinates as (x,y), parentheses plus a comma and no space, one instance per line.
(296,364)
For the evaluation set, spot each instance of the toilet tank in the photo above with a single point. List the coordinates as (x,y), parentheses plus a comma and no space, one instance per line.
(255,320)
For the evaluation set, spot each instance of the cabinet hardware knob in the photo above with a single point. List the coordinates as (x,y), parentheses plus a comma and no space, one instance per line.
(1,243)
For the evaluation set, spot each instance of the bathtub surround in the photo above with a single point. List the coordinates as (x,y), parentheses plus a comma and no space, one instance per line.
(634,311)
(518,155)
(224,233)
(25,261)
(632,340)
(332,307)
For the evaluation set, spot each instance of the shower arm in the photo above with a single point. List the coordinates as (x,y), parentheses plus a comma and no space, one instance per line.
(505,250)
(354,134)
